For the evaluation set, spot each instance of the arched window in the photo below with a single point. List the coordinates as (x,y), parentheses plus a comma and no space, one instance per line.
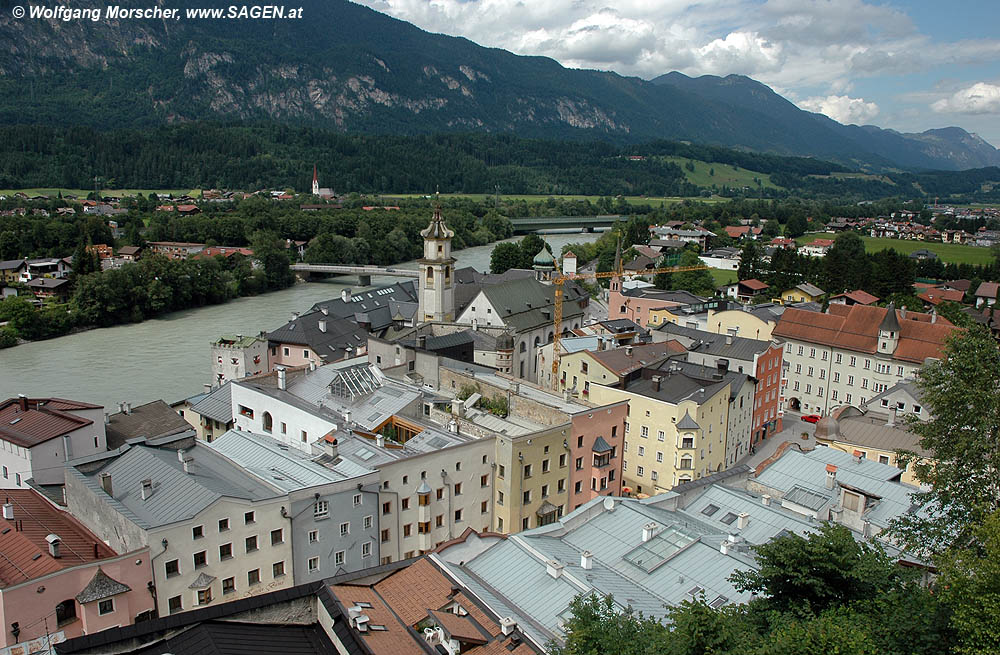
(66,611)
(524,347)
(686,463)
(268,422)
(447,273)
(538,340)
(549,340)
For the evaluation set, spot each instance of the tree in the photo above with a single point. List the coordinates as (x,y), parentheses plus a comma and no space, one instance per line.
(796,226)
(270,251)
(953,312)
(505,256)
(598,626)
(969,584)
(826,569)
(961,394)
(699,282)
(531,245)
(751,261)
(846,265)
(635,231)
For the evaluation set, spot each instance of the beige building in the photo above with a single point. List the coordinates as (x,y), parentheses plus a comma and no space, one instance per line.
(869,436)
(611,367)
(680,423)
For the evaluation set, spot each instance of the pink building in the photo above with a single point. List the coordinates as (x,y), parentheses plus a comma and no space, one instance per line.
(596,451)
(58,579)
(634,308)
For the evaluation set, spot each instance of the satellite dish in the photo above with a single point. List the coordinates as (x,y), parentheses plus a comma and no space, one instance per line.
(609,503)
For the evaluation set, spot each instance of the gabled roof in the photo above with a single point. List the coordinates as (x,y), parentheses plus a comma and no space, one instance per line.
(526,303)
(988,290)
(25,551)
(858,296)
(32,421)
(809,289)
(155,419)
(101,586)
(218,405)
(618,361)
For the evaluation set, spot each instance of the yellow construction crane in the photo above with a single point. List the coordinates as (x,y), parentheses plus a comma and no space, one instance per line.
(560,278)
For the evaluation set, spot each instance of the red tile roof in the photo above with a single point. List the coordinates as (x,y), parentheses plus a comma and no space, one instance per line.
(24,551)
(754,284)
(988,290)
(936,296)
(859,296)
(857,328)
(28,422)
(736,231)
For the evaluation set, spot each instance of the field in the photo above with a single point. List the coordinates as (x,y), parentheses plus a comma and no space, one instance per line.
(722,276)
(948,252)
(724,174)
(632,200)
(82,193)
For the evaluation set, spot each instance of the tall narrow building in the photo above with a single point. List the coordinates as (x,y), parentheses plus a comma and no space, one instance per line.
(315,187)
(437,284)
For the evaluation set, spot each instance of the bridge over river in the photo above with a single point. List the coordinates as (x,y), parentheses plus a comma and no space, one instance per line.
(363,273)
(582,223)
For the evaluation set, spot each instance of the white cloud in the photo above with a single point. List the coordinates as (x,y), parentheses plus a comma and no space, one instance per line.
(980,98)
(842,109)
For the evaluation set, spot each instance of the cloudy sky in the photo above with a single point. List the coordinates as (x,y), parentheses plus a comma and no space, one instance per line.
(910,65)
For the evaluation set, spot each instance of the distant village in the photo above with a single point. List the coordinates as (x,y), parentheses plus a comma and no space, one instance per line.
(366,476)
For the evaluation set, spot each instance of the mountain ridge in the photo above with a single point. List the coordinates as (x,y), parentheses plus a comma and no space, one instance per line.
(349,68)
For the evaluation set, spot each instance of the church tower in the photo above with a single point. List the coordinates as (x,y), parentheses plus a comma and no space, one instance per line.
(437,267)
(315,189)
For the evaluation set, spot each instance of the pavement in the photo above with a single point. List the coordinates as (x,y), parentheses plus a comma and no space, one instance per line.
(793,427)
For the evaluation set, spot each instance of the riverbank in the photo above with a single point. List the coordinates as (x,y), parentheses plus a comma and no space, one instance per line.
(168,357)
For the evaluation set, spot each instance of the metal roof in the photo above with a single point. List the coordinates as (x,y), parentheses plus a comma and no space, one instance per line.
(218,405)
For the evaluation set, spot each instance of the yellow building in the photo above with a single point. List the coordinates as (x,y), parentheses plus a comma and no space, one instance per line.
(804,292)
(752,324)
(612,367)
(676,430)
(661,316)
(869,437)
(532,479)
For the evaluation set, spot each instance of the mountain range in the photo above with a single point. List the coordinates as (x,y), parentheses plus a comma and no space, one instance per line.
(349,68)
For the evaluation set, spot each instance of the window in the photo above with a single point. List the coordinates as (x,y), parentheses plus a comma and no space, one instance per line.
(313,564)
(225,551)
(313,536)
(278,569)
(484,480)
(251,544)
(338,558)
(562,485)
(174,604)
(798,368)
(386,508)
(253,577)
(545,466)
(172,568)
(836,377)
(545,491)
(840,358)
(499,498)
(458,466)
(357,499)
(407,529)
(277,536)
(577,487)
(579,463)
(659,456)
(801,348)
(484,507)
(197,532)
(500,471)
(199,559)
(626,427)
(321,509)
(385,535)
(345,529)
(228,585)
(527,470)
(223,525)
(883,459)
(439,494)
(524,523)
(642,451)
(850,380)
(404,503)
(305,436)
(639,471)
(249,518)
(868,364)
(204,596)
(368,522)
(660,435)
(424,527)
(854,361)
(644,432)
(526,498)
(812,353)
(810,371)
(458,515)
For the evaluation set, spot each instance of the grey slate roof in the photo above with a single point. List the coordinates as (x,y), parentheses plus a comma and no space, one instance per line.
(601,446)
(519,303)
(155,419)
(687,423)
(101,586)
(177,496)
(218,405)
(272,462)
(740,348)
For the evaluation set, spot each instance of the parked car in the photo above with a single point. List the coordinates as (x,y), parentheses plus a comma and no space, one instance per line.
(811,418)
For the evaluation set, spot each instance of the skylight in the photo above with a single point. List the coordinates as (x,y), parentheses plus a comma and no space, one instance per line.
(649,555)
(728,518)
(710,510)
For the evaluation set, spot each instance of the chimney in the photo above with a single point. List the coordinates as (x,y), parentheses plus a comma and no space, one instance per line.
(106,483)
(180,455)
(147,488)
(54,542)
(724,547)
(831,475)
(295,316)
(765,500)
(8,511)
(121,407)
(586,560)
(656,382)
(187,464)
(742,520)
(380,441)
(281,377)
(207,386)
(902,311)
(867,529)
(67,448)
(107,418)
(453,426)
(722,365)
(628,351)
(325,310)
(128,408)
(345,295)
(553,568)
(567,395)
(729,339)
(933,315)
(331,447)
(23,400)
(507,625)
(322,325)
(648,531)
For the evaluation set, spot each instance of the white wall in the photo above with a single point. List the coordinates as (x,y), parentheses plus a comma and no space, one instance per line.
(296,420)
(15,462)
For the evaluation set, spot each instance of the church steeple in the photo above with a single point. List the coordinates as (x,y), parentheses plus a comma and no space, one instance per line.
(436,298)
(315,187)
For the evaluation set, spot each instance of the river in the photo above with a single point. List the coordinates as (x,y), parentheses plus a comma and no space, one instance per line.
(169,357)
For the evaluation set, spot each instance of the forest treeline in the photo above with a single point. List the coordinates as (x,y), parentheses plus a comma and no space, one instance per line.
(237,156)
